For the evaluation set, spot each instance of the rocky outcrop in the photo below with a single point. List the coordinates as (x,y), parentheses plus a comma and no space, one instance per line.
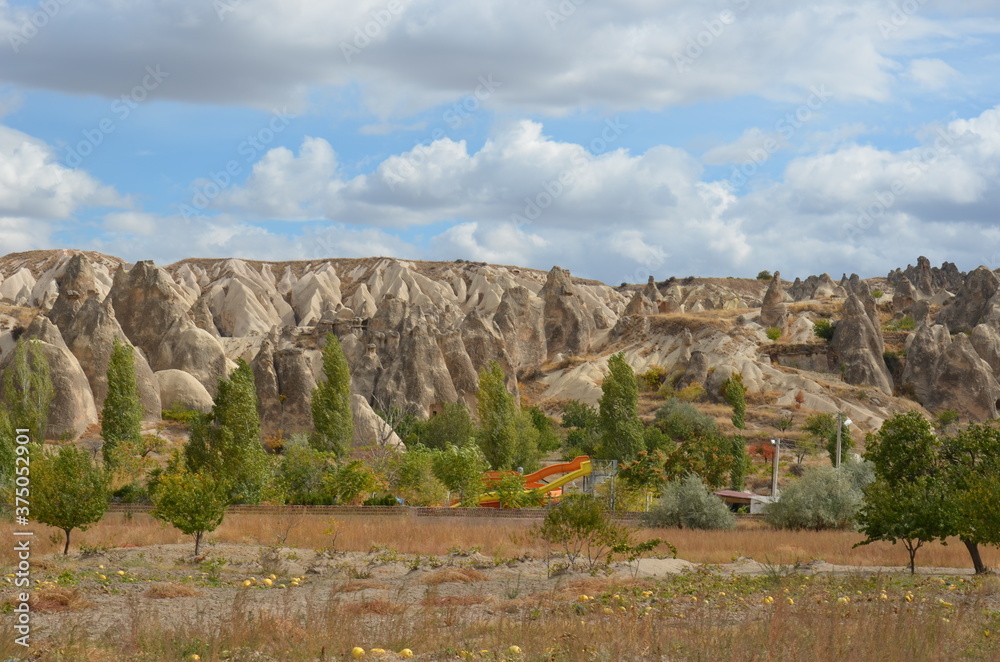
(179,390)
(641,305)
(193,350)
(858,345)
(773,311)
(520,320)
(964,382)
(285,378)
(77,284)
(815,287)
(928,280)
(923,352)
(975,303)
(90,335)
(370,429)
(147,305)
(569,326)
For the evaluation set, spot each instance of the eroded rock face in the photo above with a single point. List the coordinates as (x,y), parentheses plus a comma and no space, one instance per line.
(193,350)
(569,326)
(90,335)
(521,322)
(964,382)
(370,428)
(147,305)
(641,305)
(976,302)
(773,311)
(923,353)
(859,346)
(178,389)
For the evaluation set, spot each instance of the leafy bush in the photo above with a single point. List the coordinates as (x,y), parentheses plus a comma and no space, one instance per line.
(824,498)
(764,275)
(681,420)
(906,324)
(773,333)
(878,294)
(823,328)
(511,493)
(693,392)
(652,378)
(180,414)
(687,502)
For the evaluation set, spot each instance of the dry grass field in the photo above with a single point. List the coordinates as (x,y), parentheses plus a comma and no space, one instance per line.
(308,588)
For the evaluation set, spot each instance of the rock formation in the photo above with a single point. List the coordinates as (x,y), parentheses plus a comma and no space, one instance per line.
(773,311)
(859,346)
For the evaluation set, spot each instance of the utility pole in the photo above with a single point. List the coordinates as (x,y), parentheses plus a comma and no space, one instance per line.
(840,425)
(774,469)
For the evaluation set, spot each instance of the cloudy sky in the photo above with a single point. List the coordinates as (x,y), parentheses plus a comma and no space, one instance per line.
(670,137)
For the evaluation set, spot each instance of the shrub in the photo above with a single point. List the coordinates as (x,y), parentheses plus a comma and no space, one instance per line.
(823,328)
(681,420)
(878,294)
(773,333)
(579,526)
(181,415)
(652,378)
(687,502)
(906,324)
(693,392)
(824,498)
(764,275)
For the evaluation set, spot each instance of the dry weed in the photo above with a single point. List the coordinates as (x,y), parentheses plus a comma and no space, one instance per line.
(453,575)
(166,590)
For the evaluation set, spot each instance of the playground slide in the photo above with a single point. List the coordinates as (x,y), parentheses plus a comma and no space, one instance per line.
(577,468)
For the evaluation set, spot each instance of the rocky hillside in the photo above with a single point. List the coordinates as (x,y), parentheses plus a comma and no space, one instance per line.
(417,333)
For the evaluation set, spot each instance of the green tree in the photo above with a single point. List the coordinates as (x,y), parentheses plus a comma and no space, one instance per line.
(688,502)
(301,473)
(907,501)
(645,473)
(121,417)
(27,389)
(583,429)
(498,413)
(8,436)
(970,465)
(548,439)
(193,502)
(349,481)
(453,425)
(823,427)
(68,490)
(331,402)
(416,483)
(460,469)
(511,493)
(226,443)
(621,428)
(735,392)
(708,456)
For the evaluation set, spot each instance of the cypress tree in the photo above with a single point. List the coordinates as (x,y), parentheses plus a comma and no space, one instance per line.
(498,419)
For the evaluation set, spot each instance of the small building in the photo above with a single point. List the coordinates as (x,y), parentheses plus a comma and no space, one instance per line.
(736,500)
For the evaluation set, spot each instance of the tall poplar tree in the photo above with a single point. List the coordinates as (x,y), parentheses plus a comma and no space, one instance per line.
(331,402)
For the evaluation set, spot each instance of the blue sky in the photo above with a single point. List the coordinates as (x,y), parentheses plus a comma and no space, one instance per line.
(664,138)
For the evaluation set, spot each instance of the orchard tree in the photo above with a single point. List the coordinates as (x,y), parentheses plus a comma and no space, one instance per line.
(331,402)
(498,419)
(823,427)
(621,429)
(226,443)
(193,502)
(121,417)
(970,464)
(68,490)
(907,502)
